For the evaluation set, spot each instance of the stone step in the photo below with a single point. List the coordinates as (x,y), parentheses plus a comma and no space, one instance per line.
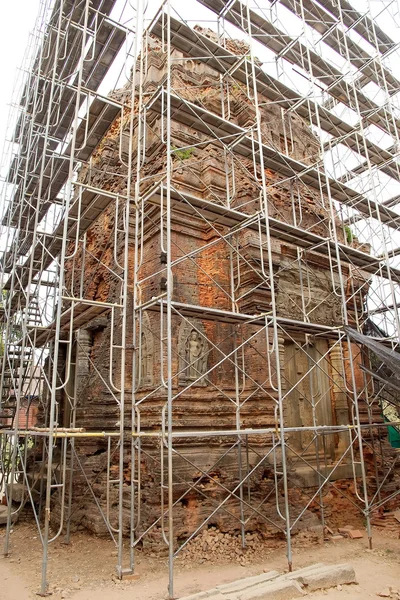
(210,595)
(272,586)
(207,595)
(275,590)
(247,582)
(299,573)
(327,576)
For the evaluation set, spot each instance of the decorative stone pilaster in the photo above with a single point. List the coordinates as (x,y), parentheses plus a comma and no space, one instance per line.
(339,399)
(83,349)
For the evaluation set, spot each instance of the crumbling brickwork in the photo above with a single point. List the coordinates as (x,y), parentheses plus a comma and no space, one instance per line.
(304,287)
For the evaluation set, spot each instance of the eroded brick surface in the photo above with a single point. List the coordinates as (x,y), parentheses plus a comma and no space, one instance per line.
(205,468)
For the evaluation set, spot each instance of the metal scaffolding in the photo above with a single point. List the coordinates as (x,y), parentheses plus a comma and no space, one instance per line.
(270,127)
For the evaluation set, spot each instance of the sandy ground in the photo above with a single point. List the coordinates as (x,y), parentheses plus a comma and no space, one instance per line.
(84,570)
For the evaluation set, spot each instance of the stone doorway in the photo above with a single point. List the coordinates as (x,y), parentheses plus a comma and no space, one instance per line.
(308,397)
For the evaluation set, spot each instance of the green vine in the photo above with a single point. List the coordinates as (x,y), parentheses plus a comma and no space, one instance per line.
(8,450)
(349,234)
(182,154)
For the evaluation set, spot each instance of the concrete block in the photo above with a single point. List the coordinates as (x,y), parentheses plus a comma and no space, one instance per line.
(329,576)
(243,584)
(275,590)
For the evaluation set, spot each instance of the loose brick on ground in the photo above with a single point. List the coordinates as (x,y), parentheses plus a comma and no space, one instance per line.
(355,534)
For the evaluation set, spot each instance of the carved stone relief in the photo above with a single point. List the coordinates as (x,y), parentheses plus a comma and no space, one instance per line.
(193,353)
(145,358)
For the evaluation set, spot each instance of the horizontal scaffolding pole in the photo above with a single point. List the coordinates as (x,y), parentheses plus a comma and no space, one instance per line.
(240,141)
(318,429)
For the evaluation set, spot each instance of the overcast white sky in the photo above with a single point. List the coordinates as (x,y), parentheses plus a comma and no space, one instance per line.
(18,18)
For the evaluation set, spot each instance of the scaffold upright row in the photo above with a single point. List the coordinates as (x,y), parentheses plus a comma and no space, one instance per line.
(200,272)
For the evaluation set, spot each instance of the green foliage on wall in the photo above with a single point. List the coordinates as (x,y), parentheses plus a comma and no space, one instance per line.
(184,153)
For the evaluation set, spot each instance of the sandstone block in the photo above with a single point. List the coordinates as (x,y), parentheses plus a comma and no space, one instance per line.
(19,492)
(386,593)
(328,576)
(212,594)
(304,571)
(247,582)
(3,514)
(131,577)
(275,590)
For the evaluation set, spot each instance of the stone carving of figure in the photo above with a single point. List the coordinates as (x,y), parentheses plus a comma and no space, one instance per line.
(144,372)
(195,356)
(144,361)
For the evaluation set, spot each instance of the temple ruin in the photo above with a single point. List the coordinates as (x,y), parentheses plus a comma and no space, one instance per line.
(190,287)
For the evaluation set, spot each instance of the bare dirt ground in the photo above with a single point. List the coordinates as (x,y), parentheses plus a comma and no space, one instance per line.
(84,569)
